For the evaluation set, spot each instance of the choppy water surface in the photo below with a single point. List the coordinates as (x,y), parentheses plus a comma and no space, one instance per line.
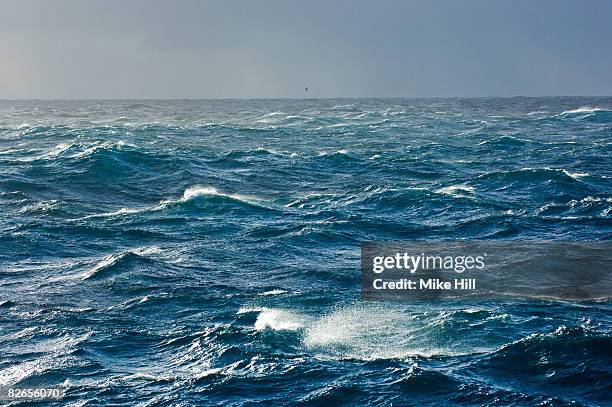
(197,252)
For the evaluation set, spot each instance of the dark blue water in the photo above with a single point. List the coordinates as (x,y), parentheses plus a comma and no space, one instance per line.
(204,252)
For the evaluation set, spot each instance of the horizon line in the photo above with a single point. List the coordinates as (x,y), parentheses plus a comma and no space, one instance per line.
(297,98)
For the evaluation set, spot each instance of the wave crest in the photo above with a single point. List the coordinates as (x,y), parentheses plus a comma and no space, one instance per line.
(112,259)
(583,109)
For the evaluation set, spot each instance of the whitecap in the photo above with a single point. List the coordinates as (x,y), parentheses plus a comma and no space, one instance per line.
(107,145)
(122,211)
(196,191)
(43,206)
(269,117)
(10,151)
(279,320)
(57,150)
(347,106)
(103,264)
(456,190)
(248,310)
(189,194)
(147,250)
(575,175)
(276,291)
(19,371)
(55,351)
(582,109)
(342,151)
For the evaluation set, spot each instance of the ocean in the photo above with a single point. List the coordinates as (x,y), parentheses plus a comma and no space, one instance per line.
(203,252)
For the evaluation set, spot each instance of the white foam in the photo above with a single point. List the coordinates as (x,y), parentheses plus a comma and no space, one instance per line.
(106,262)
(592,199)
(248,310)
(373,331)
(101,146)
(268,150)
(269,118)
(197,190)
(342,151)
(193,192)
(147,250)
(279,320)
(575,175)
(10,151)
(456,190)
(54,350)
(40,206)
(19,371)
(583,109)
(275,319)
(122,211)
(273,292)
(57,150)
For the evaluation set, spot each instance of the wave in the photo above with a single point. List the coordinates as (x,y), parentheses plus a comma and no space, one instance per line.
(271,117)
(535,174)
(198,191)
(576,175)
(589,206)
(276,291)
(457,190)
(56,353)
(553,354)
(104,146)
(342,151)
(279,320)
(79,150)
(537,113)
(587,114)
(505,141)
(276,319)
(56,151)
(113,259)
(44,206)
(189,194)
(380,198)
(248,310)
(562,334)
(238,154)
(119,212)
(583,109)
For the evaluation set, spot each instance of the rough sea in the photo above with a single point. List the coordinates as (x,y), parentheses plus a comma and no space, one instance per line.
(163,253)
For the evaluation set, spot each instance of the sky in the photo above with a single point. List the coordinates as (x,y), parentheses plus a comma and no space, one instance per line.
(105,49)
